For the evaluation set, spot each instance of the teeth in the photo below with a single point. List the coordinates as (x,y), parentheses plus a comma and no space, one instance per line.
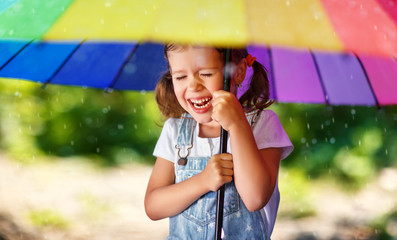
(197,103)
(200,100)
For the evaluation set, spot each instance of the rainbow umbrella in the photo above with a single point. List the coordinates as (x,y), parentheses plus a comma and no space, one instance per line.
(316,51)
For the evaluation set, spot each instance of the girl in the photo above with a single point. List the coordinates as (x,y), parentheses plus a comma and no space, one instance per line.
(189,170)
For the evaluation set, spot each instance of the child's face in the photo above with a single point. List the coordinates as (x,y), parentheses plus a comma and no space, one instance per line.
(196,72)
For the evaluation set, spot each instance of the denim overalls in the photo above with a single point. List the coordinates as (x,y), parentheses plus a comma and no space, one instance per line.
(198,220)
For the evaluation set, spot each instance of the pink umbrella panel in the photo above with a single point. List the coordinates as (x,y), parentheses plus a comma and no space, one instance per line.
(296,76)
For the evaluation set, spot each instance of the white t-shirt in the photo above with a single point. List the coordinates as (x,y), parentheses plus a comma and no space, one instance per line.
(268,132)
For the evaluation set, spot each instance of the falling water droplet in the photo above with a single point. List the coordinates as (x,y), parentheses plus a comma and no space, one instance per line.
(332,140)
(308,126)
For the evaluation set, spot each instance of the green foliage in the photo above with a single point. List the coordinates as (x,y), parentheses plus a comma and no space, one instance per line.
(109,128)
(47,218)
(349,143)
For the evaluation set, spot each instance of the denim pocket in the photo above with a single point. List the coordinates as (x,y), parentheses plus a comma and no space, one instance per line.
(203,210)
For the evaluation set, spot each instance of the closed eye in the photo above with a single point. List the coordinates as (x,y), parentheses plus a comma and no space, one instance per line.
(206,74)
(180,77)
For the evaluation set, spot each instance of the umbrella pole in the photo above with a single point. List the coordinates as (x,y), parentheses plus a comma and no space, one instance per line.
(223,149)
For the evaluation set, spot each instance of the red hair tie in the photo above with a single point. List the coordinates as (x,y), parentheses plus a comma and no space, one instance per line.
(250,60)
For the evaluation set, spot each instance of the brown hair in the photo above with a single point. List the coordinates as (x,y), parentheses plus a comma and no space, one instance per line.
(257,97)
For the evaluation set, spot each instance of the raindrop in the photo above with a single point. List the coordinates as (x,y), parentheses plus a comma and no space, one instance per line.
(143,92)
(290,119)
(288,3)
(327,123)
(72,143)
(326,139)
(333,120)
(314,141)
(120,126)
(82,100)
(332,140)
(346,125)
(102,21)
(375,27)
(308,126)
(16,94)
(135,126)
(105,110)
(108,4)
(307,144)
(359,142)
(386,152)
(98,150)
(64,126)
(322,126)
(303,140)
(385,130)
(353,111)
(129,68)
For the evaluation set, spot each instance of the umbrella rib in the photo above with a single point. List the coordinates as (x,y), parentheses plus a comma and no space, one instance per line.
(113,82)
(368,81)
(19,51)
(62,64)
(320,77)
(271,72)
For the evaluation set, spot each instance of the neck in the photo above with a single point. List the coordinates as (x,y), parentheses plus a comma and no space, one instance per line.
(209,130)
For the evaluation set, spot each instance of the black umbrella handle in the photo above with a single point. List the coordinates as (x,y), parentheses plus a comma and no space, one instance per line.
(223,149)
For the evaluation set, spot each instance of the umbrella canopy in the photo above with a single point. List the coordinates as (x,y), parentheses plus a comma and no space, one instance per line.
(343,51)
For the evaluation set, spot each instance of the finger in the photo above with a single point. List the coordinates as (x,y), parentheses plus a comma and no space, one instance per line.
(218,93)
(227,172)
(227,164)
(226,156)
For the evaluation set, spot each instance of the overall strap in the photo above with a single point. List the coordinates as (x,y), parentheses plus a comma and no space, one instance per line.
(186,128)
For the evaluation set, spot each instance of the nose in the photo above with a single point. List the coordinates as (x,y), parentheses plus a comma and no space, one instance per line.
(195,83)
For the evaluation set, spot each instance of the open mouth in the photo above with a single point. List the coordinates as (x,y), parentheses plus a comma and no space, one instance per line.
(201,103)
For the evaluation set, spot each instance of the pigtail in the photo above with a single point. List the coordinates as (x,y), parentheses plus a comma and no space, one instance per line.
(166,99)
(257,96)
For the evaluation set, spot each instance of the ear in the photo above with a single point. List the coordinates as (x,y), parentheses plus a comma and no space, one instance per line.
(239,73)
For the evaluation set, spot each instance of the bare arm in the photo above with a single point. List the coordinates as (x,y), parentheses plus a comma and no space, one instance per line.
(255,171)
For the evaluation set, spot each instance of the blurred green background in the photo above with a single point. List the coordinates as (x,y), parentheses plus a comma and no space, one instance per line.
(346,145)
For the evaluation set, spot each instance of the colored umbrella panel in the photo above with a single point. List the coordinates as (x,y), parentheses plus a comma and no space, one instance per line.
(317,24)
(382,74)
(94,65)
(344,79)
(297,76)
(37,61)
